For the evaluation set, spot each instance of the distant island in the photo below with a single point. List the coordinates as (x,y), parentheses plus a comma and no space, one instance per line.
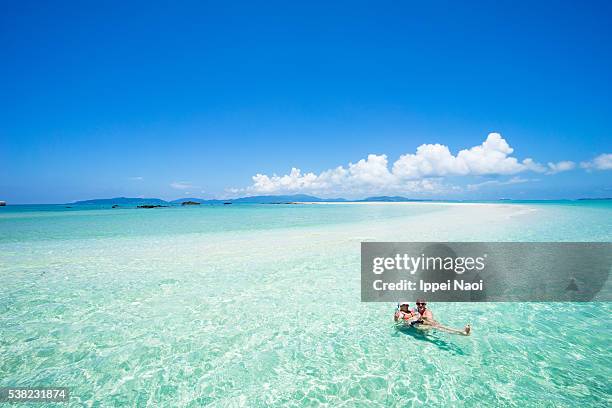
(263,199)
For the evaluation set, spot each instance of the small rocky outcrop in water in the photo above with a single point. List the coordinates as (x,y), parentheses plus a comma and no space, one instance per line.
(190,203)
(151,206)
(116,206)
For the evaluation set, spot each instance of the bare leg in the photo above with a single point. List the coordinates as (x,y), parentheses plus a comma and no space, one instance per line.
(465,332)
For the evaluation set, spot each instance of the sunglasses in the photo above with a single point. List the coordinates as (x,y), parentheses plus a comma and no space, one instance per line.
(421,304)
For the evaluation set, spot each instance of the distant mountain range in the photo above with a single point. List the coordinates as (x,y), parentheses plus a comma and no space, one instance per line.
(263,199)
(122,201)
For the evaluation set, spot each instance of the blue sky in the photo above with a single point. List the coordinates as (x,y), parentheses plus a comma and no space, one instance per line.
(163,100)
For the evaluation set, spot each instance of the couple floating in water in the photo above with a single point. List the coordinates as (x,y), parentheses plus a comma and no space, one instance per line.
(422,318)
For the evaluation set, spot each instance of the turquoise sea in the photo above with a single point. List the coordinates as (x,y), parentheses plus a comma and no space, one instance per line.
(259,305)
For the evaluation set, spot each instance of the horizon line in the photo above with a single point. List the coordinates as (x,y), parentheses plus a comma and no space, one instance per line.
(319,199)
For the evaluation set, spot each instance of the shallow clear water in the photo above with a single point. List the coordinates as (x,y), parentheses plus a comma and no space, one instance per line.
(259,305)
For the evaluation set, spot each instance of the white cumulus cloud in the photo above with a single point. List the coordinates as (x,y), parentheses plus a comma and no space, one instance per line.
(418,172)
(558,167)
(601,162)
(491,157)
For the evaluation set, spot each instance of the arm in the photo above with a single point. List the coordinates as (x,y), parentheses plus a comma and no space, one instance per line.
(427,318)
